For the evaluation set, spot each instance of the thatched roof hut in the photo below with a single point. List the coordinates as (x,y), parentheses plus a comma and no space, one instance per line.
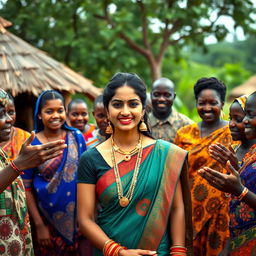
(26,71)
(247,87)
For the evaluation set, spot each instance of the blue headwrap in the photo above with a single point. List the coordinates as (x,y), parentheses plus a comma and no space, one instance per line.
(38,124)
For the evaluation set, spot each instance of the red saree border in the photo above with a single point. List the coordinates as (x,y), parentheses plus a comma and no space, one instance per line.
(156,226)
(109,178)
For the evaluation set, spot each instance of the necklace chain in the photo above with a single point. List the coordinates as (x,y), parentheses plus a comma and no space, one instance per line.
(122,152)
(125,200)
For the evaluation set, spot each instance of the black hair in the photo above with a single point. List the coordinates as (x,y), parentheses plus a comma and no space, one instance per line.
(75,101)
(210,83)
(98,100)
(50,95)
(132,80)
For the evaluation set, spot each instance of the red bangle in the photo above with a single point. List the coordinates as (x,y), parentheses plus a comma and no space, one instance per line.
(15,168)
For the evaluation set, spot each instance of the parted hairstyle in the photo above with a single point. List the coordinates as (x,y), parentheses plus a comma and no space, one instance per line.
(132,80)
(75,101)
(210,83)
(41,101)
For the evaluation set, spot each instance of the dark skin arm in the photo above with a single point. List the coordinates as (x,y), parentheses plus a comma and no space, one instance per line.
(230,183)
(42,231)
(29,157)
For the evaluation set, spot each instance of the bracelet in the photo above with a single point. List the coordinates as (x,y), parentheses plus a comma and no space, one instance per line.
(178,250)
(111,248)
(15,168)
(243,194)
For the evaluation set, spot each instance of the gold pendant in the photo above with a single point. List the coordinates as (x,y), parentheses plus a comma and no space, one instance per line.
(127,158)
(124,201)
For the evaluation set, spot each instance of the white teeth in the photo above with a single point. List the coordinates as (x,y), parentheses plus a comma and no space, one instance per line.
(125,120)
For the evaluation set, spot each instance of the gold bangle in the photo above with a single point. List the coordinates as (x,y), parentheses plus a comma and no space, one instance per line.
(243,194)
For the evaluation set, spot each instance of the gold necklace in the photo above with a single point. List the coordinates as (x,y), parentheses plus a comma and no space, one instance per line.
(127,154)
(125,200)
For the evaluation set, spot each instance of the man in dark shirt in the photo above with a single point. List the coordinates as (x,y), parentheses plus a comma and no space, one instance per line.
(164,119)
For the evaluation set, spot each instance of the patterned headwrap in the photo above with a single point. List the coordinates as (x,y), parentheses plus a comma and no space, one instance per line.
(241,100)
(4,98)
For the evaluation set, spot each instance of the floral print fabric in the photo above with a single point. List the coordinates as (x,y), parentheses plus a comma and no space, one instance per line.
(210,207)
(15,233)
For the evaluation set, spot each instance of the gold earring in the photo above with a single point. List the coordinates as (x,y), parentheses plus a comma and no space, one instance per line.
(109,129)
(143,127)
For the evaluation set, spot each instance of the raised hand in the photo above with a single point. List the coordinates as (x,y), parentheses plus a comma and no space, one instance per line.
(230,183)
(32,156)
(222,154)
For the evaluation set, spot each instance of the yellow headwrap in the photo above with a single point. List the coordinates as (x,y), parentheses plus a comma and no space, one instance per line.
(241,100)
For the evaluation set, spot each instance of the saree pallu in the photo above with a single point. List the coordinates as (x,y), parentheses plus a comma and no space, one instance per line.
(242,216)
(13,146)
(54,184)
(145,222)
(210,207)
(15,232)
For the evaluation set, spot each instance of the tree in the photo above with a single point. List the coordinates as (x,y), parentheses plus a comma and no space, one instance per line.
(150,27)
(92,36)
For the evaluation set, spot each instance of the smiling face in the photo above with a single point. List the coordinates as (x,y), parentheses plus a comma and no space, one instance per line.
(162,97)
(78,116)
(5,124)
(100,116)
(236,125)
(125,109)
(209,105)
(53,114)
(250,117)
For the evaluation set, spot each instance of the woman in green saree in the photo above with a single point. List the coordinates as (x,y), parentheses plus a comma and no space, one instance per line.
(140,183)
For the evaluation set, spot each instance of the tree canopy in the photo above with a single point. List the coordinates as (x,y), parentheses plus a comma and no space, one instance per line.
(98,38)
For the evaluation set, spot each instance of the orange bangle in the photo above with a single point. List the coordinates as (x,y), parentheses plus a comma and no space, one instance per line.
(15,168)
(111,248)
(243,194)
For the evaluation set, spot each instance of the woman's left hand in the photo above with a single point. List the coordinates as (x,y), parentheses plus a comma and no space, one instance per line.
(230,183)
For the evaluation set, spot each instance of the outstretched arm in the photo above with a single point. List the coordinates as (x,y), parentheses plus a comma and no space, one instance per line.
(230,183)
(30,156)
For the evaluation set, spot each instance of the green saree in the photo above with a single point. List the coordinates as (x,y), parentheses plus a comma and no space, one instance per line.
(145,222)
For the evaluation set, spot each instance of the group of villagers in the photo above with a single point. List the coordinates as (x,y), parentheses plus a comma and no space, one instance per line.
(74,188)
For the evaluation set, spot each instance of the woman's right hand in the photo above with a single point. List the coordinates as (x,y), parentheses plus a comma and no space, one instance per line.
(229,183)
(43,235)
(32,156)
(136,252)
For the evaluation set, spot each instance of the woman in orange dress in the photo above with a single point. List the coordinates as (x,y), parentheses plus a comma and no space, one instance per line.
(210,210)
(18,136)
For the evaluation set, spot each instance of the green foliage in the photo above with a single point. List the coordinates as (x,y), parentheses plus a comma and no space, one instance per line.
(88,35)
